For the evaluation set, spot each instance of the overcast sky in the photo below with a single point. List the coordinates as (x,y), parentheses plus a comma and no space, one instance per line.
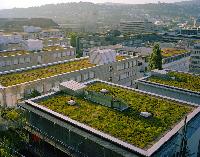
(5,4)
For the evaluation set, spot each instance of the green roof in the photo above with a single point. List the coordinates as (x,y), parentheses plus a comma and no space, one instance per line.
(178,79)
(128,125)
(44,72)
(26,52)
(34,74)
(169,52)
(14,53)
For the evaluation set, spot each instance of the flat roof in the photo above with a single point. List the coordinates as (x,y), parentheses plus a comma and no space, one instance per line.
(169,52)
(178,79)
(26,52)
(127,126)
(14,53)
(19,77)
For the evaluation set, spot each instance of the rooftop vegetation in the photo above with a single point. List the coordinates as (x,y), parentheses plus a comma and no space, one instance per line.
(14,53)
(13,137)
(180,80)
(34,74)
(25,52)
(44,72)
(169,52)
(128,125)
(53,48)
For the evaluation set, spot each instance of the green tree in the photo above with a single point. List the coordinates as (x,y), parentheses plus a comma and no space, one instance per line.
(73,36)
(14,138)
(155,61)
(34,94)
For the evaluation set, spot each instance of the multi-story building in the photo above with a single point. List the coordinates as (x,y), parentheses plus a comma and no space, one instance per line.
(136,26)
(32,45)
(11,60)
(18,84)
(103,119)
(50,33)
(32,29)
(10,38)
(56,41)
(195,59)
(189,32)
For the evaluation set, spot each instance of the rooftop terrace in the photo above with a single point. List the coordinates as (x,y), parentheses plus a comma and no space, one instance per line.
(169,52)
(178,79)
(126,125)
(44,72)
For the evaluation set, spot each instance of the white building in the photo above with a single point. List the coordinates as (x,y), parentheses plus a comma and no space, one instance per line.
(32,29)
(101,57)
(136,26)
(10,38)
(32,44)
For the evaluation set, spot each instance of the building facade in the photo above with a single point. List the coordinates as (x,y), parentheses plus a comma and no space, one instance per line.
(136,26)
(121,72)
(12,60)
(195,59)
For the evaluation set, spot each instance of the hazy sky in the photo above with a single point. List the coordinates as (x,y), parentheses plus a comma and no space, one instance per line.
(28,3)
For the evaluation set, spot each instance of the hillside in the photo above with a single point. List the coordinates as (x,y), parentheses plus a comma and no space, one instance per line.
(108,13)
(16,24)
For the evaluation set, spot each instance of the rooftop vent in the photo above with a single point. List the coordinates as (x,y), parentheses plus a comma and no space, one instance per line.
(71,102)
(173,78)
(145,114)
(104,91)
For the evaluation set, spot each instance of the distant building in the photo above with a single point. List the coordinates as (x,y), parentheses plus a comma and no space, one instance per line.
(46,78)
(136,26)
(32,45)
(56,42)
(195,59)
(10,38)
(188,31)
(17,59)
(32,29)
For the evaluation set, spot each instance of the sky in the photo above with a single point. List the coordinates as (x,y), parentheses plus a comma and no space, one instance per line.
(7,4)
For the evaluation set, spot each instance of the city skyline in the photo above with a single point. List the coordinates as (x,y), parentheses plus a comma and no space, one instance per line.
(8,4)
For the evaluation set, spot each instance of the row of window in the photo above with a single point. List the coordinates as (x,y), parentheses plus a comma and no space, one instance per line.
(15,61)
(126,65)
(195,62)
(63,54)
(127,75)
(24,60)
(195,57)
(196,52)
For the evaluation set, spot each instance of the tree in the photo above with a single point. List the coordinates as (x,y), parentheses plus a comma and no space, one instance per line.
(155,61)
(33,94)
(73,36)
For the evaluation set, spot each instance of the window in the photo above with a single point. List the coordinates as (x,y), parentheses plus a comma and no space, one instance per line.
(91,74)
(16,61)
(64,54)
(85,76)
(8,63)
(55,55)
(78,78)
(21,60)
(59,55)
(28,60)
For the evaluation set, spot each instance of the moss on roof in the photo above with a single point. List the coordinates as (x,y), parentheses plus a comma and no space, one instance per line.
(169,52)
(128,125)
(180,80)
